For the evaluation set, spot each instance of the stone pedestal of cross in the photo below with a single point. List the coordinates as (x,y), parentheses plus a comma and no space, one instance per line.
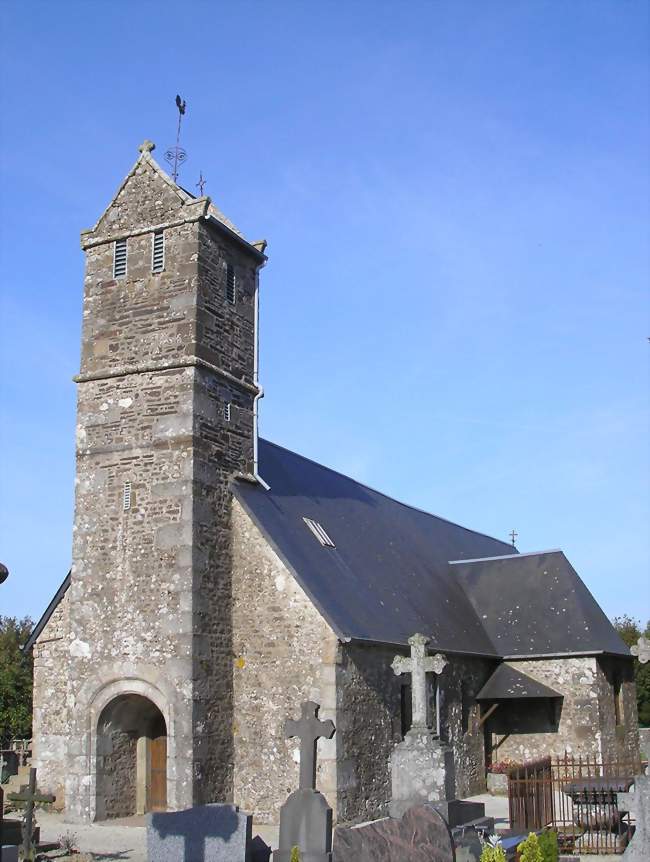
(422,768)
(30,797)
(306,818)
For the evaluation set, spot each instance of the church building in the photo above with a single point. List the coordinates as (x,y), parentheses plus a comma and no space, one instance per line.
(218,580)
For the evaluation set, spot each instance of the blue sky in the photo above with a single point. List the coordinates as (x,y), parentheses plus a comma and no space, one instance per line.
(455,196)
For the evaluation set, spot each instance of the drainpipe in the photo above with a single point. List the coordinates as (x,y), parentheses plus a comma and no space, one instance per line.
(256,378)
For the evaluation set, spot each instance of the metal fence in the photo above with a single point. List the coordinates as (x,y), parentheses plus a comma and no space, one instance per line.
(578,798)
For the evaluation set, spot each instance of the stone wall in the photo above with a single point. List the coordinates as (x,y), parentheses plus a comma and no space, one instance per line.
(150,592)
(460,682)
(369,725)
(284,654)
(369,699)
(583,724)
(50,715)
(620,740)
(119,771)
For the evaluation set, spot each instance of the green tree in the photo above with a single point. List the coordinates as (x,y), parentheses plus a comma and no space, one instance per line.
(630,631)
(15,679)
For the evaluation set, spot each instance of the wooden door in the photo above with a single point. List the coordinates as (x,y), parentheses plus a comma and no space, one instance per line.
(158,775)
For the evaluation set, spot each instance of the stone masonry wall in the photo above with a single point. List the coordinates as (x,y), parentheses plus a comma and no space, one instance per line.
(460,682)
(368,710)
(225,334)
(284,654)
(119,768)
(369,726)
(150,592)
(50,717)
(578,730)
(619,742)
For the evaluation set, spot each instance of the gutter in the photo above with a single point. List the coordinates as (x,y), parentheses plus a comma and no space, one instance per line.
(256,378)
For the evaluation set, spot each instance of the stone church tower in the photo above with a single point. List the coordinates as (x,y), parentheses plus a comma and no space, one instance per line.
(166,417)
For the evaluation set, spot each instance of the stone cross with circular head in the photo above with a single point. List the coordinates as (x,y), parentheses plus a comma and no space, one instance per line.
(419,665)
(308,728)
(641,649)
(147,146)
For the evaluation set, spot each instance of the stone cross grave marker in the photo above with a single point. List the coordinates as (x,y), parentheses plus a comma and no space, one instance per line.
(641,650)
(419,665)
(309,729)
(638,804)
(306,818)
(30,796)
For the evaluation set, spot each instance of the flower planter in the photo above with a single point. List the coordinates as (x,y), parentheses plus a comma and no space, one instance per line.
(497,783)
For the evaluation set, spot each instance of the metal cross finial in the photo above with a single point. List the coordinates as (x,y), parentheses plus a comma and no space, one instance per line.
(177,155)
(641,649)
(309,728)
(147,146)
(513,536)
(419,665)
(201,183)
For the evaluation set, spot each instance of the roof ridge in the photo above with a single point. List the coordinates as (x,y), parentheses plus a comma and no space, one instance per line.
(387,496)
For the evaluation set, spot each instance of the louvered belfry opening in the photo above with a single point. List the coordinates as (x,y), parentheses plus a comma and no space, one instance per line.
(119,258)
(158,252)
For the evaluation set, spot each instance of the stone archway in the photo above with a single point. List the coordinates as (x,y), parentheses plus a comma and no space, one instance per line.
(131,758)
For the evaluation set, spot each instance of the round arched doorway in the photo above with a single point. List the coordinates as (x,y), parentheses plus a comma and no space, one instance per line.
(131,758)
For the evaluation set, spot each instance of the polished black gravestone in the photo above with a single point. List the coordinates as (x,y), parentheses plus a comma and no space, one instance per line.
(420,835)
(306,818)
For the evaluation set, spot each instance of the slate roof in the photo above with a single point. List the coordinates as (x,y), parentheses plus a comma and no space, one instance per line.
(389,575)
(535,605)
(507,683)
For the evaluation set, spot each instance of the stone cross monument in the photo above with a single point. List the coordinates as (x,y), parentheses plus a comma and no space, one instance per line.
(306,818)
(422,767)
(419,665)
(641,650)
(30,797)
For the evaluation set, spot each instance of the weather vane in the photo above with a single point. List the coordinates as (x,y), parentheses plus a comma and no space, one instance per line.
(201,183)
(513,535)
(175,156)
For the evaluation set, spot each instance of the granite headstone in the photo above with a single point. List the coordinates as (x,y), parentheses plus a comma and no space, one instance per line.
(206,833)
(421,835)
(306,818)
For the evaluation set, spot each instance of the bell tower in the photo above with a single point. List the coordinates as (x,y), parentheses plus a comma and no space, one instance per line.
(167,395)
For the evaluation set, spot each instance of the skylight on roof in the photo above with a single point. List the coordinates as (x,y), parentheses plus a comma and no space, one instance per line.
(319,533)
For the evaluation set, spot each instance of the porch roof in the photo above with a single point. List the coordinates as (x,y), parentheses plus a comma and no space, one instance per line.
(506,683)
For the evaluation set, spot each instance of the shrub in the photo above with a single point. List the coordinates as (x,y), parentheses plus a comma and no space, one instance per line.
(502,766)
(295,855)
(548,846)
(492,850)
(529,850)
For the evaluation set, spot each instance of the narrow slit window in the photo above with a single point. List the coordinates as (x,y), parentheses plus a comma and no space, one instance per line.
(119,258)
(231,285)
(319,533)
(158,252)
(227,411)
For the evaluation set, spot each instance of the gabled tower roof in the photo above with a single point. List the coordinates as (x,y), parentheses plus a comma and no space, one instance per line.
(175,204)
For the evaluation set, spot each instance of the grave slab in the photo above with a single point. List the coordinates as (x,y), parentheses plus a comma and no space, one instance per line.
(457,811)
(421,835)
(9,853)
(211,833)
